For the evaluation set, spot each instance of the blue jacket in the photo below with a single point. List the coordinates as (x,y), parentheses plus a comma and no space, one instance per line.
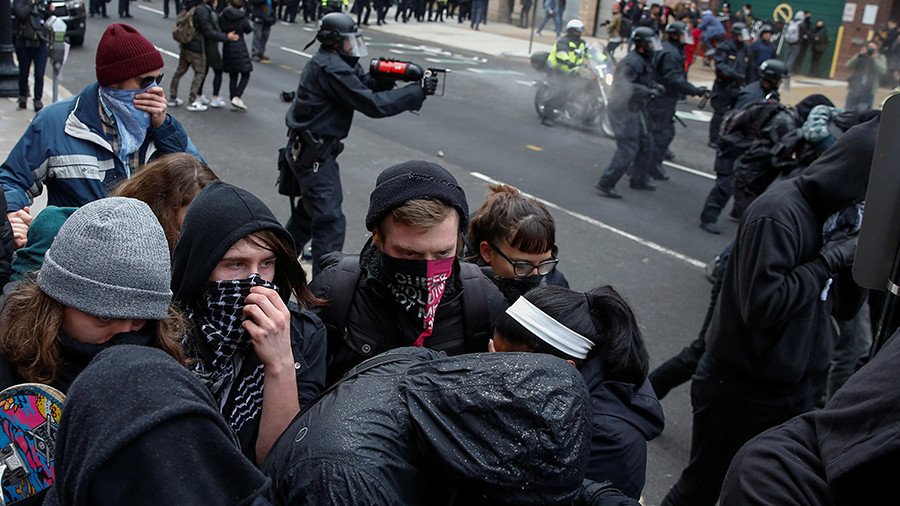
(710,26)
(65,149)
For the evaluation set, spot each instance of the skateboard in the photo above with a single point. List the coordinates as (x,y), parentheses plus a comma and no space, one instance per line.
(29,424)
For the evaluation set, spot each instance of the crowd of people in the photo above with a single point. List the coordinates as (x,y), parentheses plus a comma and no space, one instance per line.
(448,358)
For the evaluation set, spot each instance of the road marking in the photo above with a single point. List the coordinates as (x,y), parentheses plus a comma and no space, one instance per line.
(294,51)
(496,71)
(694,116)
(689,170)
(151,9)
(308,29)
(163,51)
(597,223)
(450,61)
(533,147)
(526,83)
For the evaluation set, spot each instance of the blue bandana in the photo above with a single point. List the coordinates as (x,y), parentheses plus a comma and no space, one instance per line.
(131,122)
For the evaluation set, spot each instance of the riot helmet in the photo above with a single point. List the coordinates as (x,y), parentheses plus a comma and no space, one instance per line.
(645,37)
(575,27)
(676,30)
(339,32)
(773,70)
(740,30)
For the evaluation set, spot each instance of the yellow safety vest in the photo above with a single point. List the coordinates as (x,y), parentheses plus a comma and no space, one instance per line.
(568,61)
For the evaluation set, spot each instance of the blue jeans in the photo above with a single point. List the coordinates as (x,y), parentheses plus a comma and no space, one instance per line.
(260,38)
(28,56)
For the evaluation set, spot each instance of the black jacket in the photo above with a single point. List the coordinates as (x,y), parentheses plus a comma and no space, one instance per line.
(331,89)
(623,418)
(394,434)
(217,218)
(633,84)
(847,453)
(139,429)
(29,21)
(235,57)
(205,31)
(6,245)
(753,92)
(668,66)
(732,67)
(375,322)
(771,327)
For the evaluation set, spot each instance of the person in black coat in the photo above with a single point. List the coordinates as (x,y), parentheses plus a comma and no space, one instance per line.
(235,57)
(139,429)
(262,356)
(597,333)
(31,47)
(392,434)
(769,344)
(732,72)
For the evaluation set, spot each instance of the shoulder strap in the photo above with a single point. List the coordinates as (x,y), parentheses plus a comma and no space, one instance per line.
(340,293)
(476,312)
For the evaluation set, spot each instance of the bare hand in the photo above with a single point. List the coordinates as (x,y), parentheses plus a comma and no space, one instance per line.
(20,221)
(153,102)
(233,36)
(269,324)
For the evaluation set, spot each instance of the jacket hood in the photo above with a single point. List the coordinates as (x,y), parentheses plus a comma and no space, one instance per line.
(510,427)
(630,403)
(840,176)
(217,218)
(233,14)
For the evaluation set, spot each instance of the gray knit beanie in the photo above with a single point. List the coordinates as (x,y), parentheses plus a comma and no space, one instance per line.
(110,259)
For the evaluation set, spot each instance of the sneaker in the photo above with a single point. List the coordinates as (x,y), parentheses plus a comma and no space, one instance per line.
(38,105)
(712,228)
(197,106)
(607,191)
(264,59)
(217,102)
(174,102)
(647,186)
(203,100)
(237,103)
(23,103)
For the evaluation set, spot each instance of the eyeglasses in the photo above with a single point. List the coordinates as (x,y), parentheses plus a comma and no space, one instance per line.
(522,269)
(147,81)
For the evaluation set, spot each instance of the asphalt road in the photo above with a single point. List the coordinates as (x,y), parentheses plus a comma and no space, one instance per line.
(647,245)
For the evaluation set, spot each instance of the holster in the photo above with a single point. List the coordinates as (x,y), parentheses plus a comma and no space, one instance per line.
(303,152)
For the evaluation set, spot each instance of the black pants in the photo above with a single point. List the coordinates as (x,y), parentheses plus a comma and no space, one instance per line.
(318,215)
(98,7)
(124,8)
(631,139)
(727,414)
(166,7)
(217,79)
(720,192)
(28,56)
(359,6)
(290,11)
(662,128)
(237,86)
(721,101)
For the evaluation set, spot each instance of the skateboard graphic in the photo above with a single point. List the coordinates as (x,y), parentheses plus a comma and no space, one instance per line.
(29,424)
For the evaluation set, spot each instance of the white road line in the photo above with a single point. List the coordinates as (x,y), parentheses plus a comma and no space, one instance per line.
(597,223)
(526,83)
(308,29)
(294,51)
(689,170)
(151,9)
(165,52)
(694,116)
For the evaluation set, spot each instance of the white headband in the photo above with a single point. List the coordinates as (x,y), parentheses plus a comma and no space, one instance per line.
(549,330)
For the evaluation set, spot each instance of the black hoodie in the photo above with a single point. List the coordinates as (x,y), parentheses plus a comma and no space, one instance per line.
(772,325)
(847,453)
(218,217)
(138,428)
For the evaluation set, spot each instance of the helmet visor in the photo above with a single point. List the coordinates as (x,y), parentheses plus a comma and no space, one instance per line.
(354,45)
(653,44)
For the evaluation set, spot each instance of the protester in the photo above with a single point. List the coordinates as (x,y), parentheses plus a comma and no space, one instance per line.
(263,17)
(793,35)
(597,332)
(54,323)
(513,238)
(614,30)
(235,58)
(41,234)
(134,421)
(407,287)
(30,41)
(867,67)
(761,50)
(213,57)
(117,124)
(550,9)
(261,355)
(392,433)
(168,185)
(820,44)
(771,336)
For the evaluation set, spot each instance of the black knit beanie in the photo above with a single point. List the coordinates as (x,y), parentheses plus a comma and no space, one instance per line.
(415,180)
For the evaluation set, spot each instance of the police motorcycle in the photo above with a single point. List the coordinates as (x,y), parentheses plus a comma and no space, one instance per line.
(589,108)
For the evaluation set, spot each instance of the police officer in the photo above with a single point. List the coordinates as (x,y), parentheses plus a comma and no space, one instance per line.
(771,73)
(332,87)
(732,72)
(565,60)
(633,87)
(668,66)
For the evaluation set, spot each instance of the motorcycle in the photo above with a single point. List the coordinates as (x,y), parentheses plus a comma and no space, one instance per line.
(589,106)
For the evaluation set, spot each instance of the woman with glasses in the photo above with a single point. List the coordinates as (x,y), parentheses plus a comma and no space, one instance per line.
(513,238)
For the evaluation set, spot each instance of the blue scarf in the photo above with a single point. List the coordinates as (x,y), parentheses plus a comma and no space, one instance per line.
(131,122)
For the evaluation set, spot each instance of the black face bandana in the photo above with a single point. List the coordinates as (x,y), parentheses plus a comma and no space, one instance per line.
(513,288)
(418,286)
(219,320)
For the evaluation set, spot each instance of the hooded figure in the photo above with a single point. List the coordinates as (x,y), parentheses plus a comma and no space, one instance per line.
(139,429)
(393,434)
(844,454)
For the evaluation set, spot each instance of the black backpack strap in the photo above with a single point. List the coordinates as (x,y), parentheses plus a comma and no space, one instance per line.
(341,291)
(476,310)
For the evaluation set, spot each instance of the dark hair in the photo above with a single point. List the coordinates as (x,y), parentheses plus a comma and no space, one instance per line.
(601,315)
(508,215)
(289,274)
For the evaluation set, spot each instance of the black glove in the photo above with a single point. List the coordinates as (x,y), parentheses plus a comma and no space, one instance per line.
(702,91)
(839,253)
(429,84)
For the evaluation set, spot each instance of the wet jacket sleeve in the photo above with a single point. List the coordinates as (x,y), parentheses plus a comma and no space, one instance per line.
(24,168)
(205,26)
(771,287)
(672,75)
(6,246)
(346,86)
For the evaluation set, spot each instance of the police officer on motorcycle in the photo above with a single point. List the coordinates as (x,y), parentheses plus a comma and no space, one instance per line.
(732,72)
(565,61)
(668,65)
(333,85)
(633,88)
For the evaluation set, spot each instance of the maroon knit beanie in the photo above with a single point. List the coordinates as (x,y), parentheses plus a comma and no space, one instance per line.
(124,53)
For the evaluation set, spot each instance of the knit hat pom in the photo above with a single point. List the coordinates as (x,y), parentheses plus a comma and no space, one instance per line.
(124,53)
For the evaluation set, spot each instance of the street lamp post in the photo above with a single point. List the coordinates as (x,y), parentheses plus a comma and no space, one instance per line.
(9,73)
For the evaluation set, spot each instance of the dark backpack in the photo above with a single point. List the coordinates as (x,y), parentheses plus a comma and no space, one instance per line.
(184,31)
(741,126)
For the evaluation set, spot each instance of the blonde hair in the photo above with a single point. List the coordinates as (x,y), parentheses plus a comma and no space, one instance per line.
(422,213)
